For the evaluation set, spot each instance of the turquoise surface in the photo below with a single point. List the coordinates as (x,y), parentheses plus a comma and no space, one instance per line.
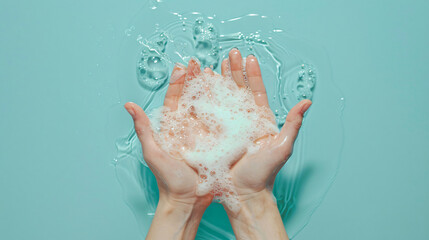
(60,98)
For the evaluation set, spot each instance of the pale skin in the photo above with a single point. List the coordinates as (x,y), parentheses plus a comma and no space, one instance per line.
(179,209)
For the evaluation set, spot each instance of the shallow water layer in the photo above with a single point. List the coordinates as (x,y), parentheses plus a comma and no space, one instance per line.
(292,70)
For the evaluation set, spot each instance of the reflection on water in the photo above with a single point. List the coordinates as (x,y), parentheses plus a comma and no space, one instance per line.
(292,71)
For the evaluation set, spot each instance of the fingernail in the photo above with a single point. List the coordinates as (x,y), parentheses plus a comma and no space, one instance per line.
(251,58)
(179,66)
(195,60)
(305,107)
(178,72)
(234,51)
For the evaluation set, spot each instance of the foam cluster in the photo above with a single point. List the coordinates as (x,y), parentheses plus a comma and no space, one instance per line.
(216,123)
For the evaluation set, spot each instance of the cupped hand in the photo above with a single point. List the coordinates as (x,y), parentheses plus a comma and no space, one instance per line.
(177,181)
(255,173)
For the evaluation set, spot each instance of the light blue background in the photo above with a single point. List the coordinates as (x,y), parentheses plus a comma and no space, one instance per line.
(58,89)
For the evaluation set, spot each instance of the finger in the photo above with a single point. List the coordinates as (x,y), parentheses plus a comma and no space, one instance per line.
(194,69)
(152,154)
(141,125)
(225,71)
(292,125)
(209,71)
(255,81)
(236,64)
(174,91)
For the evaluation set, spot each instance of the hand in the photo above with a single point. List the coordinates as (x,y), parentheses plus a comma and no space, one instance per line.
(253,175)
(178,203)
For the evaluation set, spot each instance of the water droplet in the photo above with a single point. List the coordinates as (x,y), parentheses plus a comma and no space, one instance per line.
(300,85)
(152,69)
(206,43)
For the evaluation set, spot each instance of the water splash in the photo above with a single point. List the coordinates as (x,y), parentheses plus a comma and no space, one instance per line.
(299,85)
(152,66)
(206,43)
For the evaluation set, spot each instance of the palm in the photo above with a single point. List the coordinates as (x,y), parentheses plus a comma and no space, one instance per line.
(252,172)
(173,175)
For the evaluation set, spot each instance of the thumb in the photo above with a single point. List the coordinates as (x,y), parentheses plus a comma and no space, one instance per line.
(151,151)
(292,125)
(141,123)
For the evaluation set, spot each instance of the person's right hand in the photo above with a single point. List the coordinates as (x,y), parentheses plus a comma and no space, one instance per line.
(256,172)
(253,175)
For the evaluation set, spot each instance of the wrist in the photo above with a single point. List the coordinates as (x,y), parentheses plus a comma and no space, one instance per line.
(190,207)
(254,204)
(258,217)
(176,219)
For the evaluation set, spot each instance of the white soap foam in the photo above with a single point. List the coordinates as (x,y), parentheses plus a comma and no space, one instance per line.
(215,124)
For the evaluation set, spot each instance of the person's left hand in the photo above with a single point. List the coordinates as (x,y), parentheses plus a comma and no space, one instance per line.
(177,181)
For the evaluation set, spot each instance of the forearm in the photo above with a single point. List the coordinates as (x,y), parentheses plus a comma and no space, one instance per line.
(258,218)
(175,220)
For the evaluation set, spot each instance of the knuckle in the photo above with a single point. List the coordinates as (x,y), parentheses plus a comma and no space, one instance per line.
(289,119)
(139,131)
(296,122)
(297,125)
